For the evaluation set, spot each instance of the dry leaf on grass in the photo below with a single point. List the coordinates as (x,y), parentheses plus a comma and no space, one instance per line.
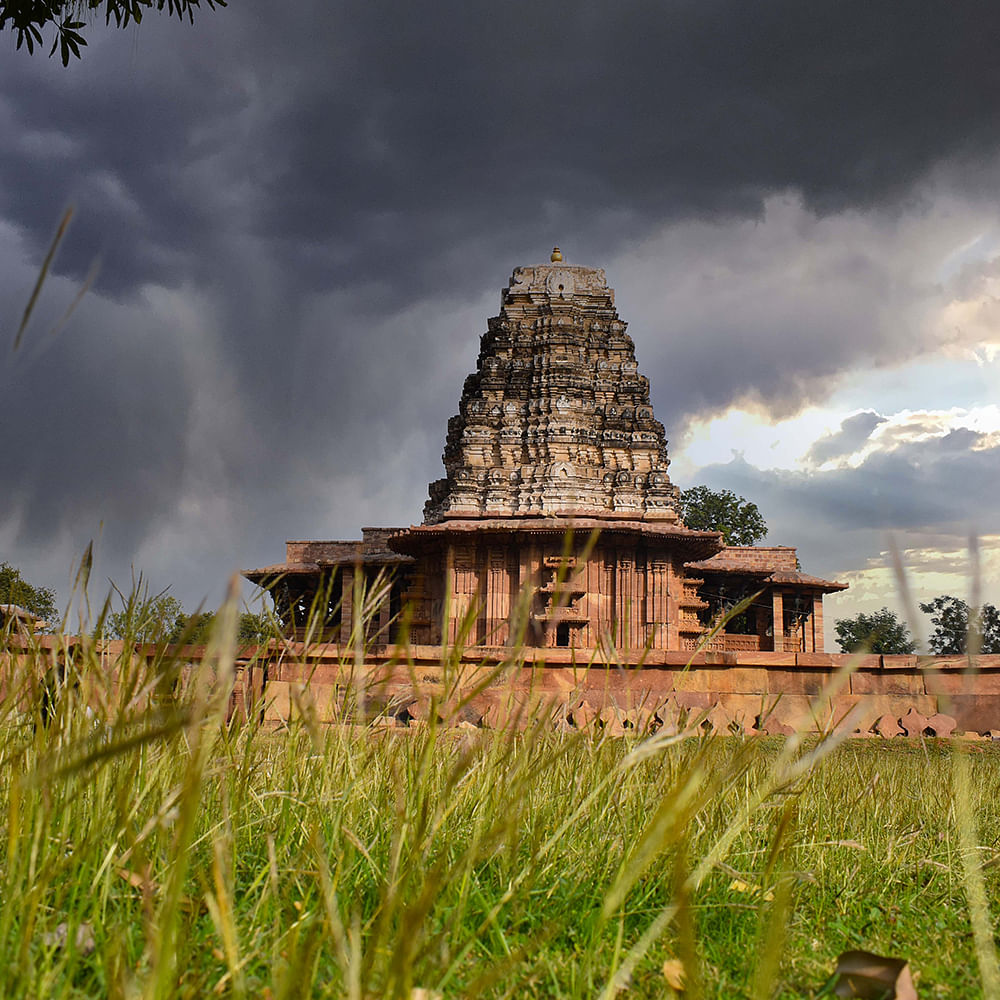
(673,973)
(738,885)
(872,977)
(138,880)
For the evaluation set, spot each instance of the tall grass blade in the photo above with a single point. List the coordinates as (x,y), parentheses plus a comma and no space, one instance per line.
(42,275)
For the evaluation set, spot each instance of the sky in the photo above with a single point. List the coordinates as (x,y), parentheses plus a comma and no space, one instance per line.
(303,214)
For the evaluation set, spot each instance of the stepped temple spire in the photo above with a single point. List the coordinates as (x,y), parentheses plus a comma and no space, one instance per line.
(556,419)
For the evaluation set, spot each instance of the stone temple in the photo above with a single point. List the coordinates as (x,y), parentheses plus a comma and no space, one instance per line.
(556,522)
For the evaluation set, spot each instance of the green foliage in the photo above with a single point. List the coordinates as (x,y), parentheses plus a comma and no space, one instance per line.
(162,619)
(14,589)
(192,630)
(146,619)
(739,520)
(954,632)
(879,632)
(27,19)
(253,628)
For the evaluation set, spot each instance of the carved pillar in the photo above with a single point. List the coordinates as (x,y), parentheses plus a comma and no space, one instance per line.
(674,585)
(497,597)
(625,602)
(656,601)
(465,594)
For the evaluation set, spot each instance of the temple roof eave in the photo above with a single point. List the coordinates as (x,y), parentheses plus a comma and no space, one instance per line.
(421,536)
(313,568)
(777,577)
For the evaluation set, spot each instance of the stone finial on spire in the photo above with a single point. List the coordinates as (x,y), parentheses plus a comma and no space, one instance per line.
(556,255)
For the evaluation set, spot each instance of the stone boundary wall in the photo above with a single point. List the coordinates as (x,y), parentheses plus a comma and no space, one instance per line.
(748,691)
(774,692)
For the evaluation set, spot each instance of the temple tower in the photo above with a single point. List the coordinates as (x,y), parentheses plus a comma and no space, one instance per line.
(556,418)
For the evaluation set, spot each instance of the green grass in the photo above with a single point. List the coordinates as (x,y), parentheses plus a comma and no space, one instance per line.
(343,861)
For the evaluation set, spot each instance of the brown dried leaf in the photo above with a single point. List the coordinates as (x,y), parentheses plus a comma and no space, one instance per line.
(862,974)
(673,973)
(138,880)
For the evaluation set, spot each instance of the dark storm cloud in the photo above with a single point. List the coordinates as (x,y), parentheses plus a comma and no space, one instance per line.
(387,135)
(945,488)
(854,432)
(325,192)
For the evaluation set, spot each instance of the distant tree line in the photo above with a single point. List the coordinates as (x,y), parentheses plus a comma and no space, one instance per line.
(161,618)
(141,618)
(956,629)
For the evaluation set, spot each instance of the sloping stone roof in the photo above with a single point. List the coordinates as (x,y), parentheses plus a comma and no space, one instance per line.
(696,543)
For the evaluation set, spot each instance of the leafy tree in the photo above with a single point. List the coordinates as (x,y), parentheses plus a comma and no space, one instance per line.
(14,589)
(192,630)
(879,632)
(29,18)
(255,628)
(146,619)
(955,631)
(739,520)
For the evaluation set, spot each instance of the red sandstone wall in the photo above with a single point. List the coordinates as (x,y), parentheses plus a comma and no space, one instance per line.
(758,557)
(815,690)
(791,690)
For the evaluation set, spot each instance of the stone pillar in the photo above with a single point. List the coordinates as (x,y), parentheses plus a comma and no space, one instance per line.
(497,597)
(347,604)
(382,616)
(465,594)
(817,623)
(778,620)
(625,636)
(675,587)
(657,589)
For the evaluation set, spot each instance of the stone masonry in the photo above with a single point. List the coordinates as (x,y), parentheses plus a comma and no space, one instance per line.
(556,418)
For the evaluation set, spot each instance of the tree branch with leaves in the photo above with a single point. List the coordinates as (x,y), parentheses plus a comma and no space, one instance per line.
(28,19)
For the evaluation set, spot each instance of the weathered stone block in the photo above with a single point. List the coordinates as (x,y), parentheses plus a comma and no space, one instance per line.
(693,699)
(719,720)
(886,682)
(794,710)
(744,708)
(773,727)
(899,662)
(975,713)
(814,660)
(681,658)
(952,682)
(796,681)
(277,704)
(857,661)
(766,659)
(747,680)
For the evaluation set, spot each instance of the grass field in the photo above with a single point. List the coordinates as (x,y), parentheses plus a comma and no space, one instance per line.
(152,851)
